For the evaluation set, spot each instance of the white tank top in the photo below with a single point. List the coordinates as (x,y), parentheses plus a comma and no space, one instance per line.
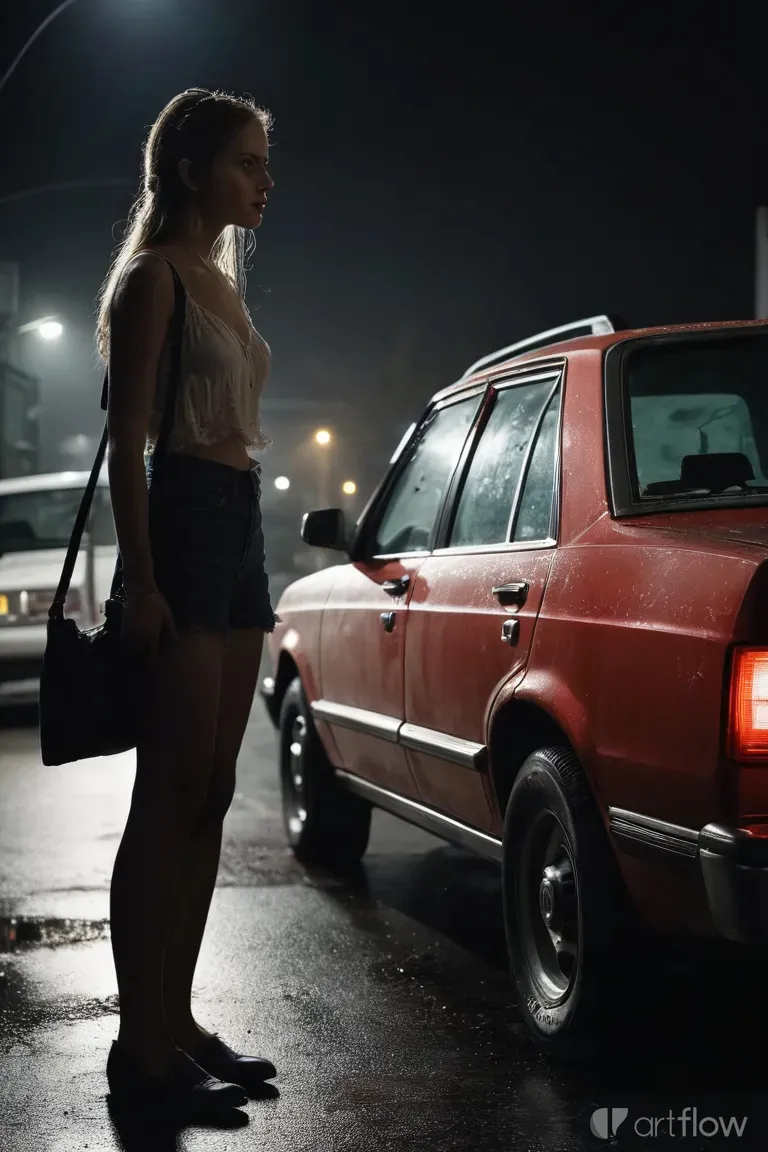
(221,382)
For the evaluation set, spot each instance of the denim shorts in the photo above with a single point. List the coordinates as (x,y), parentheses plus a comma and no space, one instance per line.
(207,543)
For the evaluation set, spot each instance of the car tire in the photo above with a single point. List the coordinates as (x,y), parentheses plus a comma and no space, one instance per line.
(567,917)
(324,823)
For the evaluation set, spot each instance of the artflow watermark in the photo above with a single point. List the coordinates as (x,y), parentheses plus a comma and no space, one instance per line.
(689,1122)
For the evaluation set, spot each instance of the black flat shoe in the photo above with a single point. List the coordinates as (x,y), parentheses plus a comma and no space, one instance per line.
(185,1085)
(249,1072)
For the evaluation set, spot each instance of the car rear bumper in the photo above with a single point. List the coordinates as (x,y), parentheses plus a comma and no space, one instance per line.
(734,865)
(731,862)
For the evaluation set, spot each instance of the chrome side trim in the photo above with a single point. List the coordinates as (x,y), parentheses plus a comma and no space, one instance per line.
(427,818)
(639,834)
(358,719)
(446,747)
(482,549)
(453,748)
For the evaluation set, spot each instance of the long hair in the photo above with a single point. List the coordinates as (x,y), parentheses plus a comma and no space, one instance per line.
(194,125)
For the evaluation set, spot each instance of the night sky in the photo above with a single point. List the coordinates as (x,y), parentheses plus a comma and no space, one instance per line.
(444,185)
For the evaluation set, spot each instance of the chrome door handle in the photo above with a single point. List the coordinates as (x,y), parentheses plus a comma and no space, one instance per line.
(396,587)
(388,620)
(515,593)
(510,630)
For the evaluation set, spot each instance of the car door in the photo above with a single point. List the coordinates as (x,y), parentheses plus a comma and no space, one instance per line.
(476,598)
(364,622)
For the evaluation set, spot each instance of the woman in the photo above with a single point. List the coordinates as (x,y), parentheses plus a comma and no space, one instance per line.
(189,532)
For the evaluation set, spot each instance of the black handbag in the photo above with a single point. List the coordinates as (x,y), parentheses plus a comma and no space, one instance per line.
(91,683)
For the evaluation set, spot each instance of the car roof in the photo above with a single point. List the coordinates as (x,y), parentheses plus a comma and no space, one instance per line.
(596,343)
(45,481)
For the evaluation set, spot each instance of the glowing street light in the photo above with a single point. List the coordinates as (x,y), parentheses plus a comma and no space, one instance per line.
(283,483)
(47,327)
(349,487)
(323,436)
(50,330)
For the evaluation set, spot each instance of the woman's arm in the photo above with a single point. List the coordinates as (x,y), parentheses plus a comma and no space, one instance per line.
(139,317)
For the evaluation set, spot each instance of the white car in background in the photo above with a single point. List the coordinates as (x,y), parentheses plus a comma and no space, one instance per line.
(37,515)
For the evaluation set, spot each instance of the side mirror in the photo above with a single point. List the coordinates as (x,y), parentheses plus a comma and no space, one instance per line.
(325,528)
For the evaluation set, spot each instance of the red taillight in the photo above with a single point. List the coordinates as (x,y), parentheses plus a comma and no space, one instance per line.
(749,704)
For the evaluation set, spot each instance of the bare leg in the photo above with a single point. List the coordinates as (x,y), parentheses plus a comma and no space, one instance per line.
(173,770)
(189,915)
(197,876)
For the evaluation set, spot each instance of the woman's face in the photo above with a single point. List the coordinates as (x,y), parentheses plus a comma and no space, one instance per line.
(235,191)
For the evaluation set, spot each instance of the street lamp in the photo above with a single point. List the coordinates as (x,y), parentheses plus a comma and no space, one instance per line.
(322,438)
(47,327)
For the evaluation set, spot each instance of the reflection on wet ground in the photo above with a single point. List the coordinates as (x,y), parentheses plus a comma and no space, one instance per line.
(382,994)
(420,941)
(22,931)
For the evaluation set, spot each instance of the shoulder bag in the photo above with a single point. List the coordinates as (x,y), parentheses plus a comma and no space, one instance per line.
(91,682)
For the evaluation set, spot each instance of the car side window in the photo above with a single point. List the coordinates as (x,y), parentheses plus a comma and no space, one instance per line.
(487,497)
(534,517)
(414,502)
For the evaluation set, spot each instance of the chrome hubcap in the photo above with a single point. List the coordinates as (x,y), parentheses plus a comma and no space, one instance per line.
(294,797)
(557,893)
(549,910)
(547,900)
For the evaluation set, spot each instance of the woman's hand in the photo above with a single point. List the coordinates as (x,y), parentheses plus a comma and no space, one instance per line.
(145,616)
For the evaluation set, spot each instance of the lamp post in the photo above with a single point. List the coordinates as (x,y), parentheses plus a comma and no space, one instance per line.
(48,328)
(20,405)
(323,439)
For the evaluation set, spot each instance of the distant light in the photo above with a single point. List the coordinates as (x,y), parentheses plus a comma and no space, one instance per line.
(349,487)
(51,330)
(282,482)
(323,436)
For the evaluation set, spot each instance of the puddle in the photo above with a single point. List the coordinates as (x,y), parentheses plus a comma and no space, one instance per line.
(19,932)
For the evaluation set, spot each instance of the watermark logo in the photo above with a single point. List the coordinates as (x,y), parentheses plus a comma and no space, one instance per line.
(605,1122)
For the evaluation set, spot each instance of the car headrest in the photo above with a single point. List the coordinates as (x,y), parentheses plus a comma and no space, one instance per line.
(716,471)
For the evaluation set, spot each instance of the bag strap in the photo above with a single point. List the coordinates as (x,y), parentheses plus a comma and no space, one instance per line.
(176,329)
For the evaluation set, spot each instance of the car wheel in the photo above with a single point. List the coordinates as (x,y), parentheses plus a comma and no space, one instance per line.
(565,906)
(324,823)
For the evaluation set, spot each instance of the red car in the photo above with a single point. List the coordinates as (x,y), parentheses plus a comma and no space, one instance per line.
(549,644)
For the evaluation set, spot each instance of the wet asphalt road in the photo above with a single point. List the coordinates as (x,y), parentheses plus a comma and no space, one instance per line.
(382,996)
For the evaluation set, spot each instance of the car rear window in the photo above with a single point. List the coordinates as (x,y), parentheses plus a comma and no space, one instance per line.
(30,521)
(698,418)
